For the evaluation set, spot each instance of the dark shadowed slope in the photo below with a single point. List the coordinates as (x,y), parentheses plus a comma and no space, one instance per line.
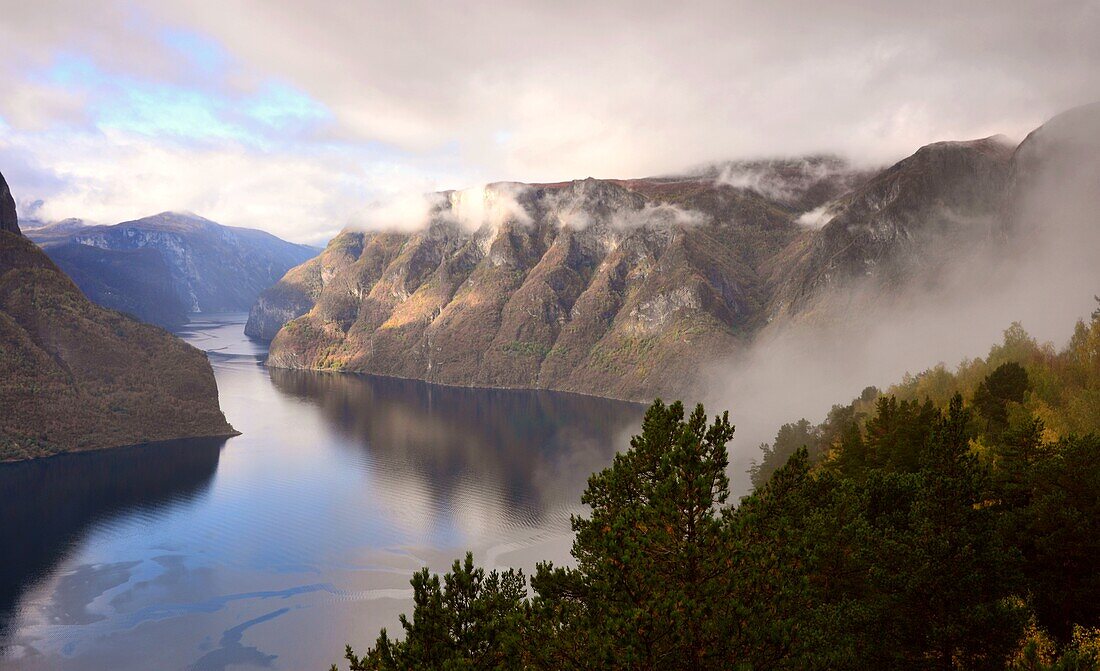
(75,376)
(9,222)
(135,281)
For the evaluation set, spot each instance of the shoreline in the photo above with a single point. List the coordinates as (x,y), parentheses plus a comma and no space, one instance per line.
(152,443)
(452,385)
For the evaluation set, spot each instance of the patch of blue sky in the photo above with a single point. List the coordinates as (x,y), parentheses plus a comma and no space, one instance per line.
(151,108)
(160,109)
(278,106)
(116,101)
(74,71)
(195,113)
(200,51)
(274,116)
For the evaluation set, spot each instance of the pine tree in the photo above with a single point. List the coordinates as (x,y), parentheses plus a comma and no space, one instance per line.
(943,573)
(648,572)
(1059,533)
(470,620)
(1006,384)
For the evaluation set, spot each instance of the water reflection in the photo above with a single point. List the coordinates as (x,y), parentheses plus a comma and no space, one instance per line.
(50,504)
(304,538)
(530,450)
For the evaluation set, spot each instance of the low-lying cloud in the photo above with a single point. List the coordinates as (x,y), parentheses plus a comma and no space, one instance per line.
(491,206)
(1044,276)
(488,207)
(817,217)
(404,212)
(658,214)
(472,209)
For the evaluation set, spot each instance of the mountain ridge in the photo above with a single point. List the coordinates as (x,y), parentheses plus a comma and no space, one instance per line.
(627,288)
(420,295)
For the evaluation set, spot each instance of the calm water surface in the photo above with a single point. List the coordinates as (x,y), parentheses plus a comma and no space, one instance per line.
(274,548)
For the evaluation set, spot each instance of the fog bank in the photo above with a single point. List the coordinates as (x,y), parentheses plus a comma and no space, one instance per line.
(1039,269)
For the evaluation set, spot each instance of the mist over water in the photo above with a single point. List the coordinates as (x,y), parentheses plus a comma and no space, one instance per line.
(277,547)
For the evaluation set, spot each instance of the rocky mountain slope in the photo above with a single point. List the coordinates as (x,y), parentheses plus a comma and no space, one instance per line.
(75,376)
(1055,181)
(626,288)
(904,224)
(162,268)
(597,286)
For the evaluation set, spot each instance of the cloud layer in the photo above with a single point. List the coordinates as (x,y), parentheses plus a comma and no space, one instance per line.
(295,116)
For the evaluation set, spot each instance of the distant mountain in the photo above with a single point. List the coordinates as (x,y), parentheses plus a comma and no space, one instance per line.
(628,288)
(162,268)
(76,376)
(44,229)
(138,281)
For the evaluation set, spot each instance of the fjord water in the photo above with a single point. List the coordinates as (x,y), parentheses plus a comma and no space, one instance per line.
(274,548)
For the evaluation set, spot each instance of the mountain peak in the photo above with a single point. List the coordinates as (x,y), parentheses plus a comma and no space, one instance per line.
(173,219)
(994,145)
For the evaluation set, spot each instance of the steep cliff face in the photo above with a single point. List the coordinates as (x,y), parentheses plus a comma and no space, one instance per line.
(206,266)
(9,221)
(298,290)
(609,287)
(75,376)
(626,288)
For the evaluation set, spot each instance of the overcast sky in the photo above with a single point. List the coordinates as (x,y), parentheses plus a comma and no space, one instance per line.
(294,116)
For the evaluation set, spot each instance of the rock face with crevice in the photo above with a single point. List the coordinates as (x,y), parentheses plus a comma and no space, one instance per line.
(76,376)
(905,224)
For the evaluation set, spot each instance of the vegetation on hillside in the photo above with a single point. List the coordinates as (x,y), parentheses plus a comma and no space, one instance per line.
(953,523)
(75,376)
(1018,380)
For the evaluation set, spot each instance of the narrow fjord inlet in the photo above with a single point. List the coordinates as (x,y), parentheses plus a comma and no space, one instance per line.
(207,553)
(514,335)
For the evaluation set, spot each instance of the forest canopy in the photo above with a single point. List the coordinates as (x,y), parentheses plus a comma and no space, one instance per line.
(1018,379)
(952,522)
